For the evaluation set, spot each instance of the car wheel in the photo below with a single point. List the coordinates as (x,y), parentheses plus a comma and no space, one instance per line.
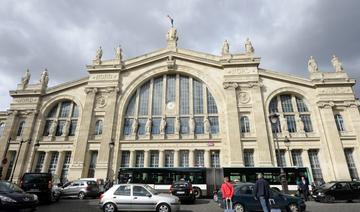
(163,207)
(197,192)
(81,195)
(239,207)
(293,208)
(109,207)
(329,199)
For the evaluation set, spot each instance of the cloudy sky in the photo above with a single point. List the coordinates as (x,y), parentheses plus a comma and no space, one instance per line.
(63,35)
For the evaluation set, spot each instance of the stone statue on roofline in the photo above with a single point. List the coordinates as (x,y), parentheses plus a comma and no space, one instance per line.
(25,79)
(44,78)
(336,64)
(118,53)
(249,49)
(99,53)
(312,65)
(225,48)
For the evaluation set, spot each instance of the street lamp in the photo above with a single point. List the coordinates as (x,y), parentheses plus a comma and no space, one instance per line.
(274,119)
(214,168)
(111,146)
(287,144)
(17,157)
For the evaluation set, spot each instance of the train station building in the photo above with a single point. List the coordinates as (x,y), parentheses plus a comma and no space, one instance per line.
(180,108)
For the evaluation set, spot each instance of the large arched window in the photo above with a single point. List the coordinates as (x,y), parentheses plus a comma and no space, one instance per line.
(62,119)
(294,114)
(171,104)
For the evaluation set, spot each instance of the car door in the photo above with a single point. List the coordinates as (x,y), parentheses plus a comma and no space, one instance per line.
(277,200)
(122,197)
(142,199)
(355,190)
(244,195)
(69,190)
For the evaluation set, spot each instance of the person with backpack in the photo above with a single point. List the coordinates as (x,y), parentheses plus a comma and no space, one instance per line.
(262,192)
(227,191)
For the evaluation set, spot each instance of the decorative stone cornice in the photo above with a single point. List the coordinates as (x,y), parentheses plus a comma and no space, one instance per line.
(230,85)
(112,89)
(91,90)
(353,104)
(327,105)
(12,112)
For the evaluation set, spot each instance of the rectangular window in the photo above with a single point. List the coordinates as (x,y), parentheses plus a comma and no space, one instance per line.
(315,165)
(351,163)
(11,164)
(214,124)
(291,123)
(199,125)
(184,158)
(199,158)
(66,165)
(244,124)
(307,123)
(301,105)
(339,122)
(139,159)
(47,127)
(144,99)
(128,126)
(211,105)
(249,158)
(72,129)
(184,125)
(40,161)
(170,88)
(92,166)
(155,129)
(142,123)
(170,128)
(125,159)
(157,96)
(53,162)
(154,158)
(65,109)
(280,158)
(184,95)
(215,159)
(286,103)
(59,128)
(198,97)
(296,158)
(169,158)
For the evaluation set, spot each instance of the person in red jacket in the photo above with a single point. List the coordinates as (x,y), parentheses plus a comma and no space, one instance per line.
(227,190)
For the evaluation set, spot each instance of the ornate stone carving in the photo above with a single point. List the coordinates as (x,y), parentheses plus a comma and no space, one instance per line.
(207,126)
(112,89)
(327,105)
(228,85)
(336,64)
(243,97)
(162,126)
(135,126)
(171,34)
(283,124)
(118,53)
(225,48)
(26,100)
(91,90)
(44,78)
(171,64)
(191,125)
(104,77)
(236,71)
(100,101)
(52,128)
(25,79)
(12,112)
(99,53)
(312,65)
(299,124)
(249,49)
(334,90)
(65,129)
(177,126)
(148,126)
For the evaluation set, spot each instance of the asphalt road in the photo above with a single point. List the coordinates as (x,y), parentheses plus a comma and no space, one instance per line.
(202,205)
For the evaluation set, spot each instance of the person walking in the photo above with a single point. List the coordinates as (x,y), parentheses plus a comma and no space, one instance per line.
(262,192)
(227,191)
(303,187)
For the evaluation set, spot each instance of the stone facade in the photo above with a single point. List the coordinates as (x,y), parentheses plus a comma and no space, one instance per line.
(92,126)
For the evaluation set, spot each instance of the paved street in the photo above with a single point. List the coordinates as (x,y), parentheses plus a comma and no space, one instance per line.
(202,205)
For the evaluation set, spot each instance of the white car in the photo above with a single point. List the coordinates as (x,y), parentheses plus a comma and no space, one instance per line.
(137,197)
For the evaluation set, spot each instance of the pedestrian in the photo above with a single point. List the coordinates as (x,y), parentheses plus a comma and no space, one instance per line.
(227,191)
(303,187)
(262,192)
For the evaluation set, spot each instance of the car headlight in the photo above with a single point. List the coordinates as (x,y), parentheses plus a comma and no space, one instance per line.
(6,199)
(35,197)
(321,194)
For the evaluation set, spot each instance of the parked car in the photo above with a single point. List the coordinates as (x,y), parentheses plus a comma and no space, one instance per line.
(244,200)
(332,191)
(139,197)
(81,189)
(41,184)
(12,197)
(184,190)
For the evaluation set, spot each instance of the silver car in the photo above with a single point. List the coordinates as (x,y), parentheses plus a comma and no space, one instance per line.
(81,189)
(137,197)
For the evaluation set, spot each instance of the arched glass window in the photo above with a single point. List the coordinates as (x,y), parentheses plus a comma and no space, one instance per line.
(62,119)
(2,127)
(339,122)
(98,127)
(20,128)
(294,115)
(185,102)
(245,124)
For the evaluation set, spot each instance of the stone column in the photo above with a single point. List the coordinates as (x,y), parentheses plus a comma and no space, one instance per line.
(355,119)
(60,163)
(176,158)
(103,164)
(207,158)
(232,144)
(80,148)
(161,158)
(45,167)
(334,144)
(132,158)
(288,157)
(33,165)
(146,158)
(305,159)
(191,158)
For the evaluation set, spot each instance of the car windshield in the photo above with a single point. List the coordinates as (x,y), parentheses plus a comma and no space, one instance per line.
(36,178)
(327,185)
(153,191)
(9,187)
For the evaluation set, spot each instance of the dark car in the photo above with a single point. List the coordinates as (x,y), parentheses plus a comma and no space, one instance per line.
(332,191)
(244,200)
(12,197)
(81,189)
(184,190)
(41,184)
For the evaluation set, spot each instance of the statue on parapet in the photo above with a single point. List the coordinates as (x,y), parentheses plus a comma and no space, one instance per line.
(225,48)
(171,35)
(99,53)
(118,53)
(312,65)
(44,78)
(25,79)
(336,64)
(249,49)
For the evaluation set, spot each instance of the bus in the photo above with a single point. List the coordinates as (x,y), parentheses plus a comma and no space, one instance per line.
(207,180)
